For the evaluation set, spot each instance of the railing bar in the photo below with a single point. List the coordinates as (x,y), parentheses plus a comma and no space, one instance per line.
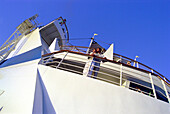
(66,64)
(77,61)
(62,60)
(140,84)
(137,78)
(53,55)
(108,69)
(140,90)
(134,73)
(91,70)
(103,79)
(166,92)
(106,74)
(72,65)
(152,84)
(78,57)
(161,93)
(120,74)
(67,69)
(71,70)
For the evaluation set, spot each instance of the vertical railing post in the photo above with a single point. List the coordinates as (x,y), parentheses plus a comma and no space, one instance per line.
(166,92)
(120,58)
(92,39)
(62,60)
(120,74)
(152,84)
(134,62)
(137,65)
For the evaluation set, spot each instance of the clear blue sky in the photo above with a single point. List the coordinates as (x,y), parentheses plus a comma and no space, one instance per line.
(136,27)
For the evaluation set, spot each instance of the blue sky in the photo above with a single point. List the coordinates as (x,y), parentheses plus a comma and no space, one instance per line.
(136,27)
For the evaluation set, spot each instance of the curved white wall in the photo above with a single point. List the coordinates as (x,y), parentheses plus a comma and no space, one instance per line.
(71,93)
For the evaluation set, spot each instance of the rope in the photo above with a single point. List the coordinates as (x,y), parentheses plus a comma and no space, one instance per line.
(103,42)
(77,39)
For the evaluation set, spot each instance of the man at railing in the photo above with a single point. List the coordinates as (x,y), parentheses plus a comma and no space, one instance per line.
(95,64)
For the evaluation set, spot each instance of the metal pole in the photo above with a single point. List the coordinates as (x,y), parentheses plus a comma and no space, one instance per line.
(166,92)
(120,58)
(62,60)
(137,65)
(134,63)
(154,92)
(92,39)
(120,74)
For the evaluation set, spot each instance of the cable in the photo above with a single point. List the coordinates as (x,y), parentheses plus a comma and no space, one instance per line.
(77,39)
(103,42)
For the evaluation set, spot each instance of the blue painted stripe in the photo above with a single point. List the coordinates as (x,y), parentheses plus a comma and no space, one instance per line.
(25,57)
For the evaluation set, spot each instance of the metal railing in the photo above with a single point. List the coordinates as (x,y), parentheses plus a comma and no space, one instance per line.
(106,73)
(121,58)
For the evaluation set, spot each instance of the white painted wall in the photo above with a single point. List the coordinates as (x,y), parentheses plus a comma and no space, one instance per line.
(45,47)
(33,41)
(71,93)
(18,82)
(18,47)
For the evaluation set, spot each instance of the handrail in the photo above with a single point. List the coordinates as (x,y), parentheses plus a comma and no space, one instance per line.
(112,75)
(149,68)
(167,82)
(162,77)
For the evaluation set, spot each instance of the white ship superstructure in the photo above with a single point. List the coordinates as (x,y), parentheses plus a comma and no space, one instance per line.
(41,73)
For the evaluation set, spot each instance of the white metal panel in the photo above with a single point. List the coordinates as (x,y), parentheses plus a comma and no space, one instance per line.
(18,47)
(18,82)
(71,93)
(109,53)
(33,41)
(54,46)
(136,73)
(77,57)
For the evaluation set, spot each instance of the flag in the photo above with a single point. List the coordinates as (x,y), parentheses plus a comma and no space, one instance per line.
(95,45)
(95,34)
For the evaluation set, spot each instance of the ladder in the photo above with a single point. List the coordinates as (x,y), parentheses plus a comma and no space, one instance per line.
(24,28)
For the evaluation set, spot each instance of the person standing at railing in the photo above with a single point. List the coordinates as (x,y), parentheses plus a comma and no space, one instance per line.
(129,63)
(88,63)
(95,64)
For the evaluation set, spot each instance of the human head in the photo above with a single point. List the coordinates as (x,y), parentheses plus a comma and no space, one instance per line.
(94,50)
(98,50)
(128,63)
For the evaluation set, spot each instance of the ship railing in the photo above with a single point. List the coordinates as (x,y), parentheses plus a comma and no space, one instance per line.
(138,64)
(68,61)
(122,59)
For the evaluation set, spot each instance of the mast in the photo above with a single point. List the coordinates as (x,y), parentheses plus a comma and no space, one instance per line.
(24,28)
